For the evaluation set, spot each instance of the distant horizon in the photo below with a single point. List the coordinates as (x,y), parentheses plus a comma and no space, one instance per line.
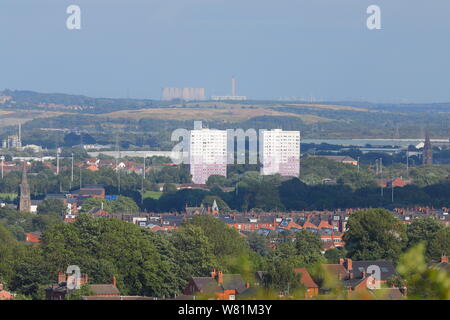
(250,99)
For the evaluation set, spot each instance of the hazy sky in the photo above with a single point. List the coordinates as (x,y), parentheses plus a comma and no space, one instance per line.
(275,48)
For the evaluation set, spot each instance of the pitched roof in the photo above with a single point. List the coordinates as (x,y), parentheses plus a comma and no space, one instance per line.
(336,269)
(325,225)
(353,282)
(328,245)
(308,224)
(206,284)
(230,282)
(104,289)
(387,268)
(233,282)
(306,279)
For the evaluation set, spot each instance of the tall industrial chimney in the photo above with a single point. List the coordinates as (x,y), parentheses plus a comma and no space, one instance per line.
(233,87)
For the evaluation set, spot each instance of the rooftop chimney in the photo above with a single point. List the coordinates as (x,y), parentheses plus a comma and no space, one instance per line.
(114,282)
(84,279)
(61,277)
(213,273)
(348,264)
(220,278)
(233,87)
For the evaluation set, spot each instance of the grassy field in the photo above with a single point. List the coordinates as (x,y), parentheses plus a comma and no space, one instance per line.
(152,194)
(8,196)
(330,107)
(226,113)
(12,118)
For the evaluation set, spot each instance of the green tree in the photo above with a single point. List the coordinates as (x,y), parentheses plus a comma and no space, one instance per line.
(258,243)
(333,255)
(423,230)
(208,201)
(124,205)
(85,290)
(422,281)
(96,203)
(194,251)
(216,180)
(18,223)
(108,247)
(280,275)
(294,194)
(375,234)
(120,205)
(224,239)
(9,252)
(31,274)
(54,207)
(308,246)
(169,188)
(440,244)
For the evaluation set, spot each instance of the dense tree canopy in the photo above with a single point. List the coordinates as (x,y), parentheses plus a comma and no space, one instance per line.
(375,234)
(120,205)
(426,231)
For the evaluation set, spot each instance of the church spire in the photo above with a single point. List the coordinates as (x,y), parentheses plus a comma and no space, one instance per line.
(427,157)
(24,191)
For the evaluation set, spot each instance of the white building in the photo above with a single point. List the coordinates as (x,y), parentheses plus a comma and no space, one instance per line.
(32,147)
(280,152)
(228,98)
(207,154)
(186,94)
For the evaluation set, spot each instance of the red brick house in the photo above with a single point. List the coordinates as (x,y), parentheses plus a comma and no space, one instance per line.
(5,295)
(332,240)
(60,290)
(354,277)
(93,191)
(250,224)
(312,289)
(396,183)
(33,237)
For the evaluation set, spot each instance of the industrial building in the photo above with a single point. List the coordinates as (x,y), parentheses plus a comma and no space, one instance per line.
(186,94)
